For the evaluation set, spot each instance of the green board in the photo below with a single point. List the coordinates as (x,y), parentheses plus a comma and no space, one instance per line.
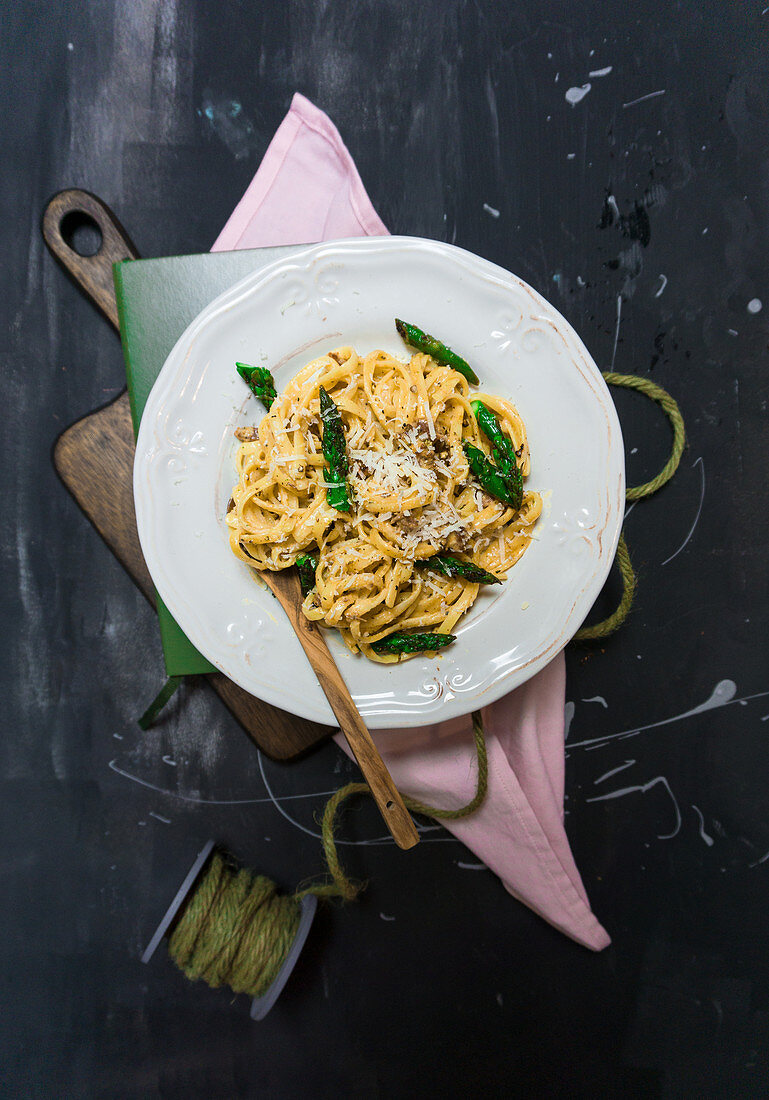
(157,300)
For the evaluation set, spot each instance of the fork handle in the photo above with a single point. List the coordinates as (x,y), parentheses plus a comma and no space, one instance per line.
(386,795)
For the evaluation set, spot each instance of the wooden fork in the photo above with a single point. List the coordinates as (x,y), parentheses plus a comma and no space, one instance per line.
(285,585)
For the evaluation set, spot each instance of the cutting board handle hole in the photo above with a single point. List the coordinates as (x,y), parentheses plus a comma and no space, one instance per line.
(81,233)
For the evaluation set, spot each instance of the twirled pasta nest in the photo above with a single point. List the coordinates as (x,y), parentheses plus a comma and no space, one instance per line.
(410,488)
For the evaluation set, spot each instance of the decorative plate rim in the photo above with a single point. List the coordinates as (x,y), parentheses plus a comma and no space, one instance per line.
(453,694)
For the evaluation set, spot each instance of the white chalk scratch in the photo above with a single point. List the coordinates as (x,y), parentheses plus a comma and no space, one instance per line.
(159,817)
(597,699)
(601,72)
(351,843)
(491,210)
(616,331)
(699,510)
(614,771)
(758,862)
(663,284)
(472,866)
(206,801)
(384,916)
(649,95)
(705,836)
(643,788)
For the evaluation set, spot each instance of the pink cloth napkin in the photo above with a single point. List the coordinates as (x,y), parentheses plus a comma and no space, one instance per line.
(307,189)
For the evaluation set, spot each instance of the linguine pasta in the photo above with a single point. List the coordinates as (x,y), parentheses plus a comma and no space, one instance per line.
(411,495)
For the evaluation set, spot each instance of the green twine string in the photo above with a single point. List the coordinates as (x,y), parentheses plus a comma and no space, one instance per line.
(670,407)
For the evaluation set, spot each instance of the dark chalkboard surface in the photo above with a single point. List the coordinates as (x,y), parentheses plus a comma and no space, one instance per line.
(616,159)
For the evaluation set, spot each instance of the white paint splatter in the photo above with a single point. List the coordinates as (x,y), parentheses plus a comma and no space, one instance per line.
(614,771)
(570,156)
(643,788)
(159,817)
(699,511)
(601,72)
(491,210)
(168,760)
(575,95)
(568,716)
(758,862)
(755,305)
(722,693)
(472,866)
(662,285)
(733,332)
(597,699)
(385,917)
(705,836)
(650,95)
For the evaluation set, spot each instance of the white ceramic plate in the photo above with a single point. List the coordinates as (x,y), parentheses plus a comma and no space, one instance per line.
(349,292)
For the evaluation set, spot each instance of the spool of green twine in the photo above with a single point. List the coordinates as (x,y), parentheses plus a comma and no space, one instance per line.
(235,930)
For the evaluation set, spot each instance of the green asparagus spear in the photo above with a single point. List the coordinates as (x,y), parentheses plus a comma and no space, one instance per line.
(401,642)
(335,453)
(422,341)
(455,567)
(492,480)
(502,450)
(260,382)
(307,564)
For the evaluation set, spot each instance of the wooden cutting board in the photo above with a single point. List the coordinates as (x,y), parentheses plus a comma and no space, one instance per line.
(94,458)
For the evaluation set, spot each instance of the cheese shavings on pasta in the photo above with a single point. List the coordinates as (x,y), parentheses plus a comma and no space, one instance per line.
(412,495)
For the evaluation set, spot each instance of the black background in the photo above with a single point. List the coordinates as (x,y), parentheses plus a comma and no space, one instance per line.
(445,105)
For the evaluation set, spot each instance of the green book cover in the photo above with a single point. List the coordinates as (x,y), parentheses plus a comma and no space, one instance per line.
(157,300)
